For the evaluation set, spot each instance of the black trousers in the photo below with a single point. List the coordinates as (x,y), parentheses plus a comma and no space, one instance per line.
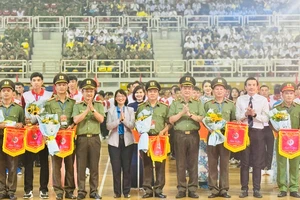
(269,141)
(172,141)
(253,155)
(120,158)
(28,159)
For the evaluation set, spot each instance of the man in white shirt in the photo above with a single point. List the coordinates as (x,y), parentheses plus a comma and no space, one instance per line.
(252,109)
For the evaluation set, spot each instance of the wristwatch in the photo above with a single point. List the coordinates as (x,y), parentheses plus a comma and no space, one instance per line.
(93,110)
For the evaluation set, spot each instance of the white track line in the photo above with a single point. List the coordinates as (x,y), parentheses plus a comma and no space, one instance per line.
(104,176)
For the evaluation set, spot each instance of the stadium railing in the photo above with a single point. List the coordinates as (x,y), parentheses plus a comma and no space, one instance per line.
(155,68)
(291,21)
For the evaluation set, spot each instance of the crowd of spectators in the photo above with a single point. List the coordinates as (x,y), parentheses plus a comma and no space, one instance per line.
(42,7)
(240,42)
(102,43)
(161,8)
(15,43)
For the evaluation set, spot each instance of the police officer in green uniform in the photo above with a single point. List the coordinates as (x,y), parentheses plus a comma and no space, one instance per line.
(159,126)
(13,112)
(219,154)
(63,106)
(185,114)
(288,104)
(88,115)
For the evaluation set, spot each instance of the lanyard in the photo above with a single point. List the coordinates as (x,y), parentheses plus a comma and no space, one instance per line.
(7,111)
(220,106)
(62,105)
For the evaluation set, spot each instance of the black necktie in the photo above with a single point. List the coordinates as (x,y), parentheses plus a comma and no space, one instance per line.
(250,118)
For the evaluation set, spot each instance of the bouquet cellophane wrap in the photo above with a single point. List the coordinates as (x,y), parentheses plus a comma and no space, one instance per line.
(34,141)
(289,143)
(65,141)
(49,127)
(13,141)
(143,125)
(159,147)
(236,137)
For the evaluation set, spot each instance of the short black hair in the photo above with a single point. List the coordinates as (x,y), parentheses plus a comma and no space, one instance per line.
(176,89)
(129,85)
(72,77)
(101,93)
(19,84)
(251,79)
(197,88)
(36,74)
(136,89)
(264,86)
(120,91)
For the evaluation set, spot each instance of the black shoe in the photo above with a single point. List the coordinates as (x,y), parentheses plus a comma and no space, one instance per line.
(117,196)
(257,194)
(127,196)
(180,195)
(59,197)
(213,196)
(80,196)
(282,194)
(243,194)
(147,195)
(193,195)
(95,196)
(294,194)
(70,196)
(225,195)
(12,197)
(160,195)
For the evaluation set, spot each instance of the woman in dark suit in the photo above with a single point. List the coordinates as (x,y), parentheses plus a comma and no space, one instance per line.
(138,95)
(120,122)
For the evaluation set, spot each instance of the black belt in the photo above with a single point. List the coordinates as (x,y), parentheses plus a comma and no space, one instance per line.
(88,135)
(187,132)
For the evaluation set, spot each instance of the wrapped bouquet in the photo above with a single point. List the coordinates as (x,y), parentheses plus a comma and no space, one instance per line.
(280,119)
(49,126)
(143,125)
(214,123)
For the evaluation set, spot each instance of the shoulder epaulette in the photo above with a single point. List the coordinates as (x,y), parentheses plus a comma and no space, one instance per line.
(17,104)
(163,103)
(141,104)
(279,104)
(71,99)
(52,98)
(80,102)
(229,100)
(297,103)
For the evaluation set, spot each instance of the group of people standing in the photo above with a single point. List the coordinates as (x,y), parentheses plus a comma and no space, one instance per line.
(181,119)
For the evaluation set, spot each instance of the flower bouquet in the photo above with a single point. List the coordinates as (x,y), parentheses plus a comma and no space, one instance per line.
(280,119)
(49,126)
(32,110)
(214,123)
(143,125)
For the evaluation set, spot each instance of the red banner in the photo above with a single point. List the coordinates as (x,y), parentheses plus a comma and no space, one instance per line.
(236,136)
(159,147)
(289,143)
(34,141)
(65,142)
(13,141)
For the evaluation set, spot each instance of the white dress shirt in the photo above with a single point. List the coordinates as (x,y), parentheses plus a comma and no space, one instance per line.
(260,106)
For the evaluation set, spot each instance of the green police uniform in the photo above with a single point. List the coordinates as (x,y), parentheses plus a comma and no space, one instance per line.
(13,112)
(159,121)
(64,111)
(88,142)
(294,111)
(219,154)
(187,141)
